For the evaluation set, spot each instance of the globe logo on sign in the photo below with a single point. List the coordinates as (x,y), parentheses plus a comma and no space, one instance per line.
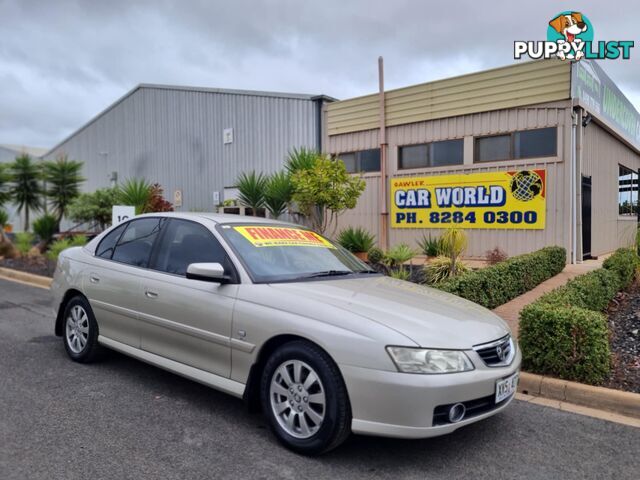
(526,185)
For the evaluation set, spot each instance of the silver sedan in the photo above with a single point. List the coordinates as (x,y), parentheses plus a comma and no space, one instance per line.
(289,321)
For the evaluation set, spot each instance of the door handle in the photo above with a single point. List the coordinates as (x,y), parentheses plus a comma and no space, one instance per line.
(94,279)
(151,294)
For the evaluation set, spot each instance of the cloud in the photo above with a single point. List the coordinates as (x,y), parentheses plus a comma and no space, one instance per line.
(62,62)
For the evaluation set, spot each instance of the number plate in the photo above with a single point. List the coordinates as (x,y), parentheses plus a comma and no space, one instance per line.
(507,387)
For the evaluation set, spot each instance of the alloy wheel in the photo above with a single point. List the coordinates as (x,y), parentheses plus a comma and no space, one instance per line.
(297,399)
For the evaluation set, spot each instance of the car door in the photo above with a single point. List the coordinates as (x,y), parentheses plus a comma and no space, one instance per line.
(113,280)
(185,320)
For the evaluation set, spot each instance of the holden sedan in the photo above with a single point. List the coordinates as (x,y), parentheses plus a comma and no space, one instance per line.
(289,321)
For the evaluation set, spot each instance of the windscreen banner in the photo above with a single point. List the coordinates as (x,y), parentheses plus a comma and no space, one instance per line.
(265,236)
(491,200)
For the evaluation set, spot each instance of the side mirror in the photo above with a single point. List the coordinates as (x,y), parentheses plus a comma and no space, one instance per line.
(207,272)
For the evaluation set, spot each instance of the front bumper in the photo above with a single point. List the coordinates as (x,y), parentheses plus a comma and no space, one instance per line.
(394,404)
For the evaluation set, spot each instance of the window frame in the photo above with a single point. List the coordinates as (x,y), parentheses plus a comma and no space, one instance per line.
(359,171)
(233,274)
(512,145)
(429,145)
(635,209)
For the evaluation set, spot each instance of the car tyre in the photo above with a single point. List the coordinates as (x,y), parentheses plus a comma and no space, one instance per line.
(80,331)
(305,399)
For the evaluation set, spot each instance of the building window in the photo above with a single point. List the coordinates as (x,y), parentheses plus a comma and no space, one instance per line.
(627,191)
(542,142)
(434,154)
(362,161)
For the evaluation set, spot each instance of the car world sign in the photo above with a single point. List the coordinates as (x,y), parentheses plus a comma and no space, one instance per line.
(515,200)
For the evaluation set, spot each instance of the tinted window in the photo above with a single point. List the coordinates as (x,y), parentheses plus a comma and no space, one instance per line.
(105,248)
(450,152)
(362,161)
(541,142)
(134,247)
(187,242)
(435,154)
(414,156)
(535,143)
(627,191)
(493,148)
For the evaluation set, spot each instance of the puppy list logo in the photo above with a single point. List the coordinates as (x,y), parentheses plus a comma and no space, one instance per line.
(570,37)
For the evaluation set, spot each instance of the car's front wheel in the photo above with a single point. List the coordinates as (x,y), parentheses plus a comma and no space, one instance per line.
(305,399)
(80,332)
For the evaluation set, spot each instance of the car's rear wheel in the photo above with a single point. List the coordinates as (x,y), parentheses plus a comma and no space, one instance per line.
(305,399)
(80,331)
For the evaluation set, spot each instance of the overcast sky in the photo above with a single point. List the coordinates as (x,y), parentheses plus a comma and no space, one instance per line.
(63,61)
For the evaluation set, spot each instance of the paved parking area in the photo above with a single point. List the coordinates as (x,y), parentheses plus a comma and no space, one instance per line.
(123,419)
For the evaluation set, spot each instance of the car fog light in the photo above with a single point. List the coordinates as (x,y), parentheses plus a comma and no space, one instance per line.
(457,412)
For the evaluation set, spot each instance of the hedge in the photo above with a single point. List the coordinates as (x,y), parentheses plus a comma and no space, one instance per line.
(593,291)
(624,263)
(568,342)
(499,283)
(564,332)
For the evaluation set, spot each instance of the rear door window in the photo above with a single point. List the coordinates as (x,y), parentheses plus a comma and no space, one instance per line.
(135,245)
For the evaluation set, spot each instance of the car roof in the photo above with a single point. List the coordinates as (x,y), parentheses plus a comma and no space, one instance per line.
(219,217)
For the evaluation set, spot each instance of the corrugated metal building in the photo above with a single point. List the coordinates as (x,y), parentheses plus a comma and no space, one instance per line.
(193,140)
(566,121)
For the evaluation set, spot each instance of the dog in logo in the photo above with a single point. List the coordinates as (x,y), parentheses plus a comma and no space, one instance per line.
(569,26)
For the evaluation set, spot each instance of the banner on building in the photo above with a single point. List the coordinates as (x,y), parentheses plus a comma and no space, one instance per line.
(502,200)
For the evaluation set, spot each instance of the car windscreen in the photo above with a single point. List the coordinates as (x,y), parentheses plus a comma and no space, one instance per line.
(282,253)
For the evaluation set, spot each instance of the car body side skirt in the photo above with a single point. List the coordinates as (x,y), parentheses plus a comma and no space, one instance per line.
(206,378)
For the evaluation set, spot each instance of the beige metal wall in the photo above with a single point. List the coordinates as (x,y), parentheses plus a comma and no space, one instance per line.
(514,242)
(602,153)
(526,83)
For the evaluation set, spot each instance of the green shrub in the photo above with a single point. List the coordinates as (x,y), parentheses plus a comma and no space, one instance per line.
(593,291)
(568,342)
(439,269)
(375,255)
(430,246)
(356,239)
(57,247)
(400,274)
(45,227)
(79,241)
(398,255)
(24,242)
(497,284)
(64,243)
(623,263)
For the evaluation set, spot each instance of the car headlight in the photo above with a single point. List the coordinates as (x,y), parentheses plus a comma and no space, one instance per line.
(423,360)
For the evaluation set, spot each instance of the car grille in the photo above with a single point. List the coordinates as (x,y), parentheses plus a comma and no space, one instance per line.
(474,408)
(497,353)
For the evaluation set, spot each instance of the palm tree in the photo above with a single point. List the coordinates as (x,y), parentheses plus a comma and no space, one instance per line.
(136,192)
(5,178)
(25,189)
(251,187)
(63,179)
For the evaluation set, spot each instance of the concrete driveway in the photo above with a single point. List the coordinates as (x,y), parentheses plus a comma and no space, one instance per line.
(123,419)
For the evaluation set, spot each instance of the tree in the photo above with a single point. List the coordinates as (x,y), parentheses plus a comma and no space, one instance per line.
(157,202)
(63,179)
(94,207)
(5,178)
(277,193)
(135,192)
(251,188)
(26,190)
(324,191)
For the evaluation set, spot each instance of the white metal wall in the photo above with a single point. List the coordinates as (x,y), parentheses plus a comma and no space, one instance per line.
(175,137)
